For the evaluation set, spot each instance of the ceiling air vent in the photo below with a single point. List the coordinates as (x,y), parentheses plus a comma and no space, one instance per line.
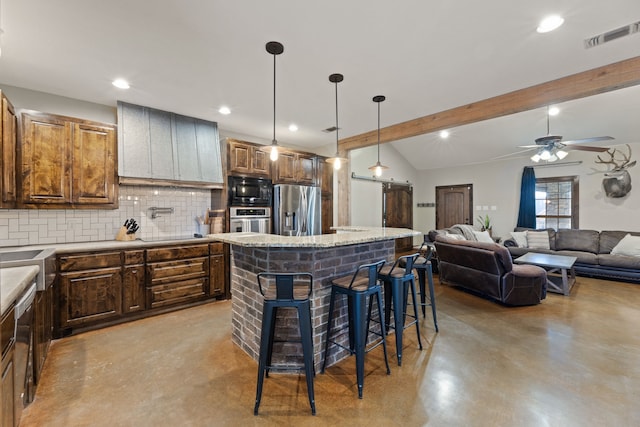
(612,35)
(330,129)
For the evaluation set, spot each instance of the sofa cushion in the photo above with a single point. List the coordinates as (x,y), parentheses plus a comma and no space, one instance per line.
(483,236)
(619,261)
(520,237)
(629,245)
(538,240)
(578,240)
(583,257)
(550,231)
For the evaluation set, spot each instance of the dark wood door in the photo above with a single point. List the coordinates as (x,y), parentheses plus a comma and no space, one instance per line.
(454,205)
(397,211)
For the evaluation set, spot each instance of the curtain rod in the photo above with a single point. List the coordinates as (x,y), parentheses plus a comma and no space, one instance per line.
(383,181)
(577,162)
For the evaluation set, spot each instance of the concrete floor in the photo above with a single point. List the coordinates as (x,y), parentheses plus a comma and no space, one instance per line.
(570,361)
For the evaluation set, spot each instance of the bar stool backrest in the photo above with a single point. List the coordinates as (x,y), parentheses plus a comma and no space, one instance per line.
(426,252)
(372,271)
(407,260)
(288,286)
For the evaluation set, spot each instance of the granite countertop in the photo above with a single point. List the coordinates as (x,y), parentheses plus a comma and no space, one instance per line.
(345,236)
(13,281)
(108,244)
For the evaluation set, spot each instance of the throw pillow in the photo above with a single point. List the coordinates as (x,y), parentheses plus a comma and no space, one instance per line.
(455,236)
(629,245)
(538,239)
(483,236)
(520,238)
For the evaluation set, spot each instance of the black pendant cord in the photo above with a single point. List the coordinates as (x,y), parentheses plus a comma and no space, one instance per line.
(337,127)
(274,101)
(378,132)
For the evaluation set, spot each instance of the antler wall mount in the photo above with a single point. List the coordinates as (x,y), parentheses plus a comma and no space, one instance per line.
(617,181)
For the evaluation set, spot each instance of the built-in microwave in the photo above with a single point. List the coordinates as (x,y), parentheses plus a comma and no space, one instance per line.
(249,191)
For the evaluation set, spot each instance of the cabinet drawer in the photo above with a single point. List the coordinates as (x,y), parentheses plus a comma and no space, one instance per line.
(216,248)
(177,252)
(89,261)
(163,272)
(134,257)
(177,292)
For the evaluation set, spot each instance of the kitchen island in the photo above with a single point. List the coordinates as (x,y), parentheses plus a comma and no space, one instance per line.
(325,256)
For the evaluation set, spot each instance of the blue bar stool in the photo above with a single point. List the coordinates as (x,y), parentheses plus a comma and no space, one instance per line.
(357,287)
(423,267)
(397,283)
(291,290)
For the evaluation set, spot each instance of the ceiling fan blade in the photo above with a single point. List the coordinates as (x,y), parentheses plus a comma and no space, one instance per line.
(504,156)
(585,140)
(530,146)
(587,148)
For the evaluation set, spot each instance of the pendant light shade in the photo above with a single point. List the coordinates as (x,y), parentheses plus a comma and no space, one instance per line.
(275,49)
(336,160)
(378,167)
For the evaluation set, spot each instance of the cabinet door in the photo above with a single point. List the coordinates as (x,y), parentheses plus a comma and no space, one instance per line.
(94,165)
(90,296)
(239,158)
(306,169)
(286,168)
(46,160)
(133,288)
(39,338)
(326,177)
(6,390)
(208,151)
(260,162)
(217,274)
(8,155)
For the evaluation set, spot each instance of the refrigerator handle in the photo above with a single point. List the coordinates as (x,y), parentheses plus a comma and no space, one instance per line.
(303,209)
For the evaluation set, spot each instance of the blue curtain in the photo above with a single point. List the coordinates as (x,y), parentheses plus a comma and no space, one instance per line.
(527,214)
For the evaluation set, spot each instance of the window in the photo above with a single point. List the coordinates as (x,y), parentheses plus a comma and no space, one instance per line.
(557,202)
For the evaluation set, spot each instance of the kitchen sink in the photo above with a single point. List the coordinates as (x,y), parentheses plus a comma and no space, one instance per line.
(19,255)
(43,258)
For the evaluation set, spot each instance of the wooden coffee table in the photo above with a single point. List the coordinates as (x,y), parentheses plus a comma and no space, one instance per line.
(561,264)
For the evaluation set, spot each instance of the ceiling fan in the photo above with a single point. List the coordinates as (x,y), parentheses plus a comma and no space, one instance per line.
(551,147)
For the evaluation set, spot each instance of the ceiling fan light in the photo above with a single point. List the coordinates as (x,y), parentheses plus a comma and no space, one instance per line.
(545,155)
(535,157)
(553,158)
(561,154)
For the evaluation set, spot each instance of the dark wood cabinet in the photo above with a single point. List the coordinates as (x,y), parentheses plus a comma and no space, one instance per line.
(133,277)
(7,368)
(8,141)
(245,158)
(43,329)
(326,198)
(218,269)
(177,274)
(67,162)
(90,289)
(295,168)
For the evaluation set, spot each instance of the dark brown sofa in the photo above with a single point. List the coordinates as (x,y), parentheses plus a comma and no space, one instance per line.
(486,268)
(592,249)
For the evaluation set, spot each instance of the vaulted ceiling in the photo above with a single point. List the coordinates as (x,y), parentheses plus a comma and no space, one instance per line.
(192,56)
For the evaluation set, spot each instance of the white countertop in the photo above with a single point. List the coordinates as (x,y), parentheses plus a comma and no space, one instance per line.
(345,236)
(13,281)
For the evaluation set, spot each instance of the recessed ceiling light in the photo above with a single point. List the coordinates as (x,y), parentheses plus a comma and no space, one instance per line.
(444,134)
(224,110)
(120,84)
(549,23)
(293,127)
(553,111)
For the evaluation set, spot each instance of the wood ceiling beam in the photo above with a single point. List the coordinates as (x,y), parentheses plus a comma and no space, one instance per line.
(592,82)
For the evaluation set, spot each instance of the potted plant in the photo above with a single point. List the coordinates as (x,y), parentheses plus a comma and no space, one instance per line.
(485,222)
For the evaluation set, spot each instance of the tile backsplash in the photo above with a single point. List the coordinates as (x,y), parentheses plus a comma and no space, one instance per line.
(21,227)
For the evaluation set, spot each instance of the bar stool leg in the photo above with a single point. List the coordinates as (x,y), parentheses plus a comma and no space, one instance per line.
(415,310)
(383,330)
(423,296)
(304,317)
(398,315)
(432,296)
(359,337)
(329,323)
(266,344)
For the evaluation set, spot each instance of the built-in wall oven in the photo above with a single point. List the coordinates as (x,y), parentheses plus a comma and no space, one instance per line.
(255,219)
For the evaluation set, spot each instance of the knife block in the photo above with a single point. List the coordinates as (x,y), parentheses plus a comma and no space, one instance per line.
(123,236)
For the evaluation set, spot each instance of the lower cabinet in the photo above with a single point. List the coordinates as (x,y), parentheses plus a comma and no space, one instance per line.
(177,274)
(7,368)
(43,329)
(95,289)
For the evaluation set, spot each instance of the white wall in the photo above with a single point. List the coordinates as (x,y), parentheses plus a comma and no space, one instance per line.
(498,184)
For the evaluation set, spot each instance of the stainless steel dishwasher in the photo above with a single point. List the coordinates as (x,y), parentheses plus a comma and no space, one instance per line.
(23,354)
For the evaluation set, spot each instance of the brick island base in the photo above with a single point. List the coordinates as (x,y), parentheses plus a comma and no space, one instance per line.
(325,264)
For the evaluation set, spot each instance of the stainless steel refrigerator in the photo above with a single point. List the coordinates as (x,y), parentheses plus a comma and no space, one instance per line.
(296,210)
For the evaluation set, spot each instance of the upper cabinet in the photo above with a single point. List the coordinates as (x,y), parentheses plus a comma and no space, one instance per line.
(245,158)
(67,162)
(296,168)
(163,146)
(8,139)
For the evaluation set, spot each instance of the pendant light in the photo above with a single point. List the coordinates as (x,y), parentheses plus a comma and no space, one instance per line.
(274,48)
(336,160)
(378,167)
